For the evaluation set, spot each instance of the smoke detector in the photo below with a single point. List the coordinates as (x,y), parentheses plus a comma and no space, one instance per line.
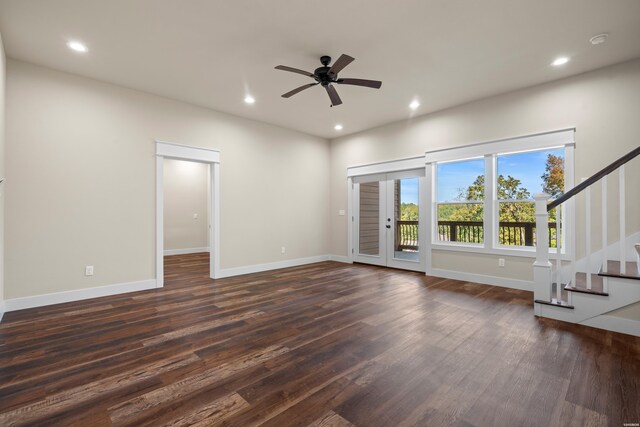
(599,39)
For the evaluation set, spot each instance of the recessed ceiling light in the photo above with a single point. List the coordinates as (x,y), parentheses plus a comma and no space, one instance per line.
(414,105)
(338,127)
(599,39)
(249,99)
(560,61)
(77,46)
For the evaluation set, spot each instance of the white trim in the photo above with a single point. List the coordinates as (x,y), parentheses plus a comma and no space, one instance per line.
(3,308)
(341,258)
(159,221)
(172,150)
(537,141)
(214,241)
(426,214)
(614,323)
(504,282)
(257,268)
(350,220)
(386,167)
(186,152)
(515,251)
(78,294)
(185,251)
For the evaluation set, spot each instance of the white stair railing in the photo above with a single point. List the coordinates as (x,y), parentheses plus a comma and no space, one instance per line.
(543,273)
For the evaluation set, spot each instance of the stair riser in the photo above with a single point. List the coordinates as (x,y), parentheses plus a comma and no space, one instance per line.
(622,292)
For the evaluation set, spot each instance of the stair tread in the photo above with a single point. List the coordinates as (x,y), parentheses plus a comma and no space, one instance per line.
(580,285)
(554,302)
(613,270)
(563,302)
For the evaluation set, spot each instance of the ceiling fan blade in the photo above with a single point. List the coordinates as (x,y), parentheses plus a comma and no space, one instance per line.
(295,70)
(342,62)
(298,89)
(375,84)
(333,95)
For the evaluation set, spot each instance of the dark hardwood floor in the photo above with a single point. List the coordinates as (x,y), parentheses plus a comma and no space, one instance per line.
(326,344)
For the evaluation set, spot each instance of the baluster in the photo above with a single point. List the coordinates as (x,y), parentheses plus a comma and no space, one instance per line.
(559,253)
(623,236)
(587,202)
(605,223)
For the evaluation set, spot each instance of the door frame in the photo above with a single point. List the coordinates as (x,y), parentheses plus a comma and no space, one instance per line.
(400,165)
(171,150)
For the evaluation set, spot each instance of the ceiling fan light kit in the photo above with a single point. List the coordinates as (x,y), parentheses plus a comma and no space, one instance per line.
(327,76)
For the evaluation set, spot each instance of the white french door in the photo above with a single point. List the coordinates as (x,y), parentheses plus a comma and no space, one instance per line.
(389,228)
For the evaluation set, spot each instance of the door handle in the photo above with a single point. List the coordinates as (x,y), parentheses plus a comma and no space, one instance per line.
(388,226)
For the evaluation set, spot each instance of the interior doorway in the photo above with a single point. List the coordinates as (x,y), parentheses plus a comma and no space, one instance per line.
(387,214)
(211,158)
(186,207)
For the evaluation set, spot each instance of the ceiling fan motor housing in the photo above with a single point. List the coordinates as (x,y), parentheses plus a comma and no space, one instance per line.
(323,76)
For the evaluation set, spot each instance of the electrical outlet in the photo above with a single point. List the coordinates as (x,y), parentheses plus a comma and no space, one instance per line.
(283,250)
(195,216)
(341,212)
(88,270)
(500,262)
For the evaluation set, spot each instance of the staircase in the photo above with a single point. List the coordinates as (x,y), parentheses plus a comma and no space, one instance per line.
(610,278)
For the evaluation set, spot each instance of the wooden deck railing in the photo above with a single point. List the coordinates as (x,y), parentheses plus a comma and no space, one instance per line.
(407,235)
(509,233)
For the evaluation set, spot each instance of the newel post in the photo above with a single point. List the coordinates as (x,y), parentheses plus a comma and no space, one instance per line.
(542,266)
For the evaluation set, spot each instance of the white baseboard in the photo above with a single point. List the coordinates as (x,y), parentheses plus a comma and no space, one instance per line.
(503,282)
(340,258)
(2,309)
(185,251)
(77,294)
(615,324)
(248,269)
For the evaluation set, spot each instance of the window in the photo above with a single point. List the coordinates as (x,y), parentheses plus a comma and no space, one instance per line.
(519,176)
(460,206)
(482,195)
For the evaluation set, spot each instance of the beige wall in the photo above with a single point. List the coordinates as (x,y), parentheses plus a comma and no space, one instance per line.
(185,194)
(631,312)
(603,105)
(82,173)
(2,167)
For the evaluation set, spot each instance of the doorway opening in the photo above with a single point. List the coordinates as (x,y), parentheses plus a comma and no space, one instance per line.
(202,227)
(186,220)
(388,219)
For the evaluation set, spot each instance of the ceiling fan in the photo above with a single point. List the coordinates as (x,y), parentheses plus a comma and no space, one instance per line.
(328,76)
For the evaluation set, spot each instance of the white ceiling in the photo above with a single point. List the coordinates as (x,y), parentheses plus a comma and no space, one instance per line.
(211,53)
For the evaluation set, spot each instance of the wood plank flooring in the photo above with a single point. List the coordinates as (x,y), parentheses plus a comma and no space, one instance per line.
(326,344)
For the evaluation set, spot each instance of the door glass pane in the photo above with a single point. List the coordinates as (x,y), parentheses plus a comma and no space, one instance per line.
(406,214)
(369,240)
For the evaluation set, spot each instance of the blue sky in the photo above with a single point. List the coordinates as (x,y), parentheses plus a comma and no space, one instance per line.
(409,190)
(527,167)
(457,175)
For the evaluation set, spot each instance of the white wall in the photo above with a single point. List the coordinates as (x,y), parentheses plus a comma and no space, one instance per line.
(2,170)
(82,174)
(185,194)
(603,105)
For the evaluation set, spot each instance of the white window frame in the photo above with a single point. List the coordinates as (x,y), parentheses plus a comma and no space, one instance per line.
(434,214)
(563,138)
